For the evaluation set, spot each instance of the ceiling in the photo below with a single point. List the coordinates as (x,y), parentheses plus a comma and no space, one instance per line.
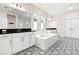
(54,9)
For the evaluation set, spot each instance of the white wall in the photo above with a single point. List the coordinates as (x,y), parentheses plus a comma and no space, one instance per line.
(51,24)
(60,25)
(61,18)
(3,19)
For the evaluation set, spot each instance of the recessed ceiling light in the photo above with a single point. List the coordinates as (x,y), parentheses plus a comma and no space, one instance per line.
(70,8)
(44,6)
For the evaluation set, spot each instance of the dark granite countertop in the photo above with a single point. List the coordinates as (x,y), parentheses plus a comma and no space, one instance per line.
(50,28)
(10,31)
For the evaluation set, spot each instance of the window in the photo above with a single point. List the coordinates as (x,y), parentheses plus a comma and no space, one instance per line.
(42,26)
(35,24)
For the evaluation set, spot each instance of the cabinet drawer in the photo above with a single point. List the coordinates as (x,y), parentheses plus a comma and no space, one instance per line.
(5,36)
(16,35)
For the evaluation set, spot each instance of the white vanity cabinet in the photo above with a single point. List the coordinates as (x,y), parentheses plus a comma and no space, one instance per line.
(25,39)
(20,41)
(32,41)
(28,39)
(5,44)
(16,43)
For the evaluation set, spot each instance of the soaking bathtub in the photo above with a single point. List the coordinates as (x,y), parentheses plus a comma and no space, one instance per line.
(46,40)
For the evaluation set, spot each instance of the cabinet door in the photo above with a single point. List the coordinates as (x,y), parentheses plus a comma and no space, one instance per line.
(17,45)
(32,41)
(5,46)
(25,41)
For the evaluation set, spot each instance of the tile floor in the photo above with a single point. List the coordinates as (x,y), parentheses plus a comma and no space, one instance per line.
(65,46)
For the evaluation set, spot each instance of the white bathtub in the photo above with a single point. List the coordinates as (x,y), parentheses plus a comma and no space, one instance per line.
(46,40)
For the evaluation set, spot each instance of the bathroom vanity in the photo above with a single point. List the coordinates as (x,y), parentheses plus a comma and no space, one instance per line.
(11,43)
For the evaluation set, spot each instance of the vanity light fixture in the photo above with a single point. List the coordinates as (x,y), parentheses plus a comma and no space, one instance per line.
(17,6)
(14,4)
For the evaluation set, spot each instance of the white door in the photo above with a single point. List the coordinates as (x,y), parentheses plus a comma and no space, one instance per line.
(17,45)
(72,28)
(67,28)
(75,28)
(5,46)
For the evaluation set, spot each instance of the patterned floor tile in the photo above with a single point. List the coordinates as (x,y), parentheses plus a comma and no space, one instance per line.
(65,46)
